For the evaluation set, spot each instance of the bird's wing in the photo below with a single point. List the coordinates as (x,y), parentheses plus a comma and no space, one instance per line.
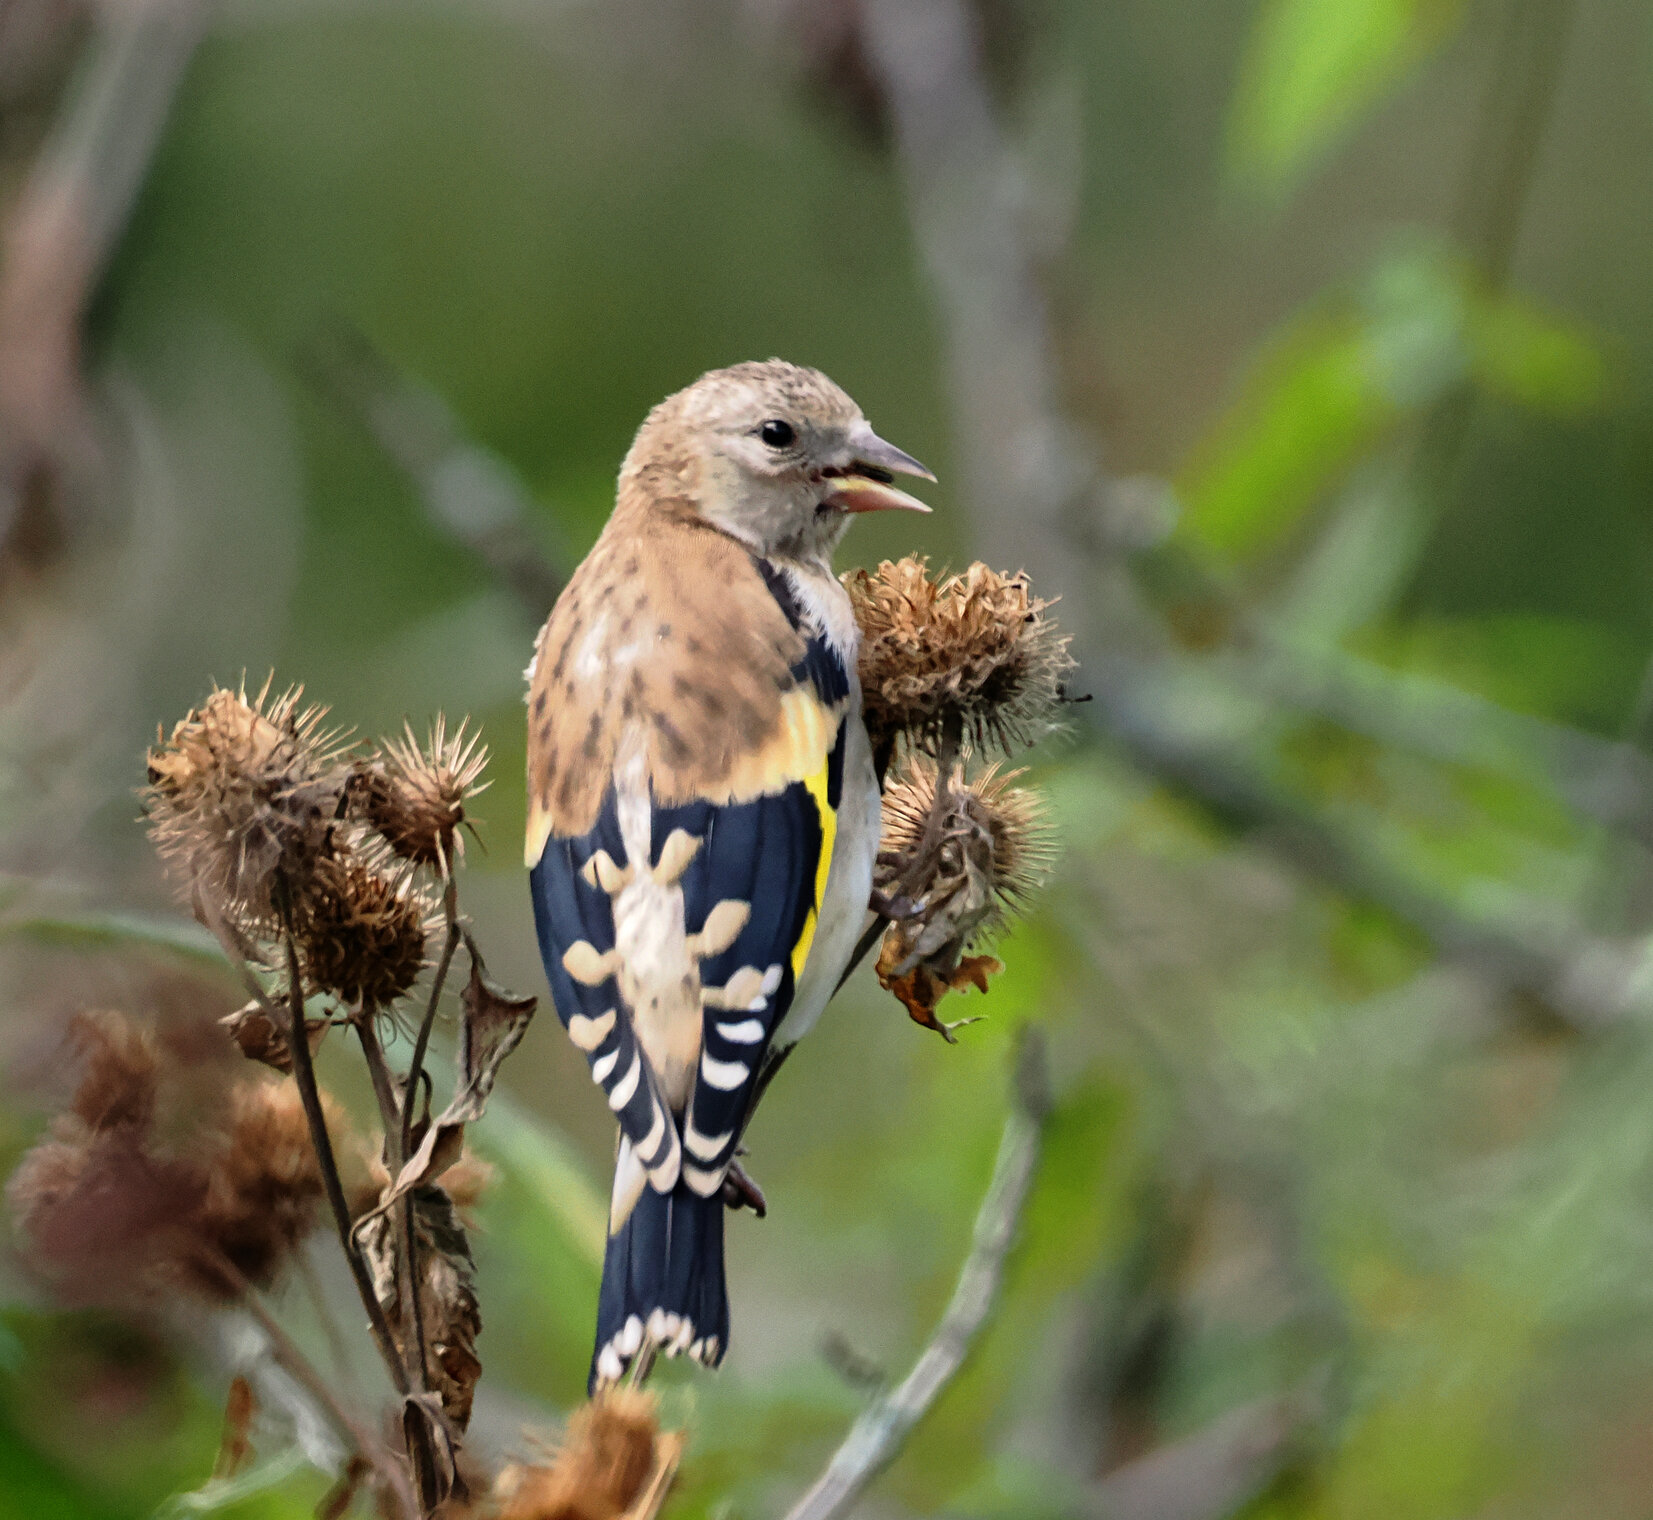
(574,914)
(773,852)
(738,824)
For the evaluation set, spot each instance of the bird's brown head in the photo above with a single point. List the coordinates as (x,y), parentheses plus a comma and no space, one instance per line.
(772,453)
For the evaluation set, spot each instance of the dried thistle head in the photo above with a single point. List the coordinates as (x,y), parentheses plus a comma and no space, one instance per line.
(414,796)
(100,1214)
(612,1460)
(958,866)
(264,1186)
(361,935)
(975,653)
(241,801)
(119,1074)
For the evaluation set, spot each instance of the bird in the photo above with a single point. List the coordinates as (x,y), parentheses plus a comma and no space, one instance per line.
(703,813)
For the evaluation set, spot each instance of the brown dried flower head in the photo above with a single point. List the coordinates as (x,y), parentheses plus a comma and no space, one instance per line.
(613,1460)
(241,798)
(361,935)
(976,653)
(414,796)
(264,1186)
(98,1212)
(108,1215)
(958,869)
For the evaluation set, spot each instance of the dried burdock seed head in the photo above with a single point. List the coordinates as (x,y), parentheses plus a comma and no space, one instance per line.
(120,1069)
(101,1218)
(613,1460)
(362,936)
(241,801)
(99,1213)
(956,868)
(414,795)
(976,654)
(264,1186)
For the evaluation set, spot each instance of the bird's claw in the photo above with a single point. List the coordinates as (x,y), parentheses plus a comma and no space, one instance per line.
(740,1192)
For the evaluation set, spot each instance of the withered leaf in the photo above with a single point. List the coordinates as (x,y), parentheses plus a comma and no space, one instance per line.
(235,1445)
(427,1431)
(493,1024)
(448,1306)
(922,987)
(262,1039)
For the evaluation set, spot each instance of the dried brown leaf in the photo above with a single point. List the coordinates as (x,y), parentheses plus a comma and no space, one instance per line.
(235,1444)
(449,1310)
(260,1038)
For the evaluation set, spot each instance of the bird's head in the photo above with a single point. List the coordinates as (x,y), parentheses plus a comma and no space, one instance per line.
(772,453)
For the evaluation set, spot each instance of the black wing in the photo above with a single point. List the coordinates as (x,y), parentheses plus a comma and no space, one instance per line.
(571,907)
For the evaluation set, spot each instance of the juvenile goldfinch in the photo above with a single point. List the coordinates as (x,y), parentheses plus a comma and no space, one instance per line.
(703,813)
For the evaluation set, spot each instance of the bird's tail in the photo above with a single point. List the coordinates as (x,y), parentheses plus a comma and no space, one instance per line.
(663,1283)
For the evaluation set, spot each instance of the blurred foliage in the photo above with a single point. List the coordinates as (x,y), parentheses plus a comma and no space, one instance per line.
(1352,1067)
(1312,66)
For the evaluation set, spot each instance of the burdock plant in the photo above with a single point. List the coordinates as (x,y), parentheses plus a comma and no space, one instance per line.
(958,672)
(326,870)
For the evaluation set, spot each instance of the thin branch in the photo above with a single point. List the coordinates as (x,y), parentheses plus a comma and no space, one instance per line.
(391,1117)
(450,910)
(878,1436)
(66,223)
(467,490)
(304,1076)
(288,1355)
(1586,980)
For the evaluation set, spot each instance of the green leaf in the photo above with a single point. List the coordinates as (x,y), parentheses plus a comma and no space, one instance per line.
(1523,354)
(1341,376)
(1311,66)
(117,931)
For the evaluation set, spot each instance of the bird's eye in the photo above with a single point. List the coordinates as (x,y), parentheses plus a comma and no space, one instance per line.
(778,434)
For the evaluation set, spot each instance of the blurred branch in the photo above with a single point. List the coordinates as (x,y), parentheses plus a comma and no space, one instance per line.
(1598,778)
(878,1436)
(1210,1473)
(1531,54)
(1586,980)
(65,224)
(1029,472)
(467,490)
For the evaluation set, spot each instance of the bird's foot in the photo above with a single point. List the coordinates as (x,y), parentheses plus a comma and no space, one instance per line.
(740,1192)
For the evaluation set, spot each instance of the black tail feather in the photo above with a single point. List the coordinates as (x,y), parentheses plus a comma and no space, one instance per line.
(663,1267)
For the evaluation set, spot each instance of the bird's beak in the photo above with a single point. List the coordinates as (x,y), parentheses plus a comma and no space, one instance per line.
(863,485)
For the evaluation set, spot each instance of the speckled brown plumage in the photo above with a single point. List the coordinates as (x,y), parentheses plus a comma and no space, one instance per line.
(667,633)
(668,637)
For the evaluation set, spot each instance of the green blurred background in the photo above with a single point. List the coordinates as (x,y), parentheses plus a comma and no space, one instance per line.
(1340,313)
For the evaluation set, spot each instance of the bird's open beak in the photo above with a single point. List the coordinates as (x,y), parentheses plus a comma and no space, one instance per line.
(863,485)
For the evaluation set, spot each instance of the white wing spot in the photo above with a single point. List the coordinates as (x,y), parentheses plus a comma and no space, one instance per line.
(603,1065)
(706,1147)
(726,1076)
(588,1034)
(747,1032)
(627,1084)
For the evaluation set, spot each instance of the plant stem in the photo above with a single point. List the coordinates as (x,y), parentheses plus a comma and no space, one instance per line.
(286,1352)
(304,1077)
(391,1115)
(878,1436)
(450,908)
